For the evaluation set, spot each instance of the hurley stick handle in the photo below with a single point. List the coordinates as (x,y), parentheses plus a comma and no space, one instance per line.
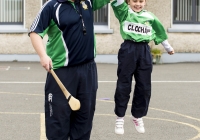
(64,90)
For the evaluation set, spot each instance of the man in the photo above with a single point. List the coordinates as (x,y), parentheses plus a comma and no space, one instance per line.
(70,51)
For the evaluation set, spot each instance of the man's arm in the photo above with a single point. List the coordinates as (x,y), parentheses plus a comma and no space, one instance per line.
(120,2)
(37,43)
(97,4)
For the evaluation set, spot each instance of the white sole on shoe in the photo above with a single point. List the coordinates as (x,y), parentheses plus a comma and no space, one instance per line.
(139,131)
(119,133)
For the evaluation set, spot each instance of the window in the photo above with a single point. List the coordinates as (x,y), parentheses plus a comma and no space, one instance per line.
(101,20)
(101,16)
(185,16)
(186,11)
(12,16)
(11,12)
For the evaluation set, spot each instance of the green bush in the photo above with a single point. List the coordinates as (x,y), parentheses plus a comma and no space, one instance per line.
(156,51)
(156,54)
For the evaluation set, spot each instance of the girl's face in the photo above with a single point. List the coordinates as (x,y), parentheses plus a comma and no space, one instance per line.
(137,5)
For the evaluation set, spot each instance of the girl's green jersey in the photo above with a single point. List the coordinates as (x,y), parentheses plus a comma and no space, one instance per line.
(139,27)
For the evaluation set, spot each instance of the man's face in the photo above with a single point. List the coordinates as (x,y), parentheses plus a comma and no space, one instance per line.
(137,5)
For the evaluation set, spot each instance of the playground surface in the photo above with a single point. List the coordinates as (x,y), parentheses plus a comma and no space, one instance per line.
(173,113)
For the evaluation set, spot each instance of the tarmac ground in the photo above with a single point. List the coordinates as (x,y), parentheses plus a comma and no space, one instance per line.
(174,112)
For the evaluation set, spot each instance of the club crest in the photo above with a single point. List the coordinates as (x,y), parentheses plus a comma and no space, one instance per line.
(84,5)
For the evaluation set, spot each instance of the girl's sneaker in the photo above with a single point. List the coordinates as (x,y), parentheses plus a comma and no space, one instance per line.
(119,126)
(139,125)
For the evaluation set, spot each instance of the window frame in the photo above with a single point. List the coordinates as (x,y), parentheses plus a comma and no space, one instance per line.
(100,23)
(99,28)
(182,26)
(193,21)
(15,23)
(104,29)
(15,27)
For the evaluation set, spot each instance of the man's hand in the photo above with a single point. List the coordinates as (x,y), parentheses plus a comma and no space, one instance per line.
(46,62)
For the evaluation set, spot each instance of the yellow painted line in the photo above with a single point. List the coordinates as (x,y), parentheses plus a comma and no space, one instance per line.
(22,94)
(43,136)
(171,112)
(20,68)
(160,119)
(161,110)
(39,82)
(42,127)
(4,67)
(42,120)
(19,113)
(187,124)
(14,82)
(4,92)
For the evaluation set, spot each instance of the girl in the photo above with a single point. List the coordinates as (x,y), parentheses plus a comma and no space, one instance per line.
(137,27)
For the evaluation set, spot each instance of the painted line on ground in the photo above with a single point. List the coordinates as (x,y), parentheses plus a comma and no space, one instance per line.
(42,116)
(19,113)
(178,114)
(22,82)
(161,110)
(43,135)
(171,112)
(19,68)
(42,127)
(42,120)
(17,82)
(183,123)
(21,94)
(157,81)
(4,67)
(14,68)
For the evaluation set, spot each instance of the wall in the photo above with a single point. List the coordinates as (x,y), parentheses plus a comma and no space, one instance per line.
(181,42)
(19,43)
(106,43)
